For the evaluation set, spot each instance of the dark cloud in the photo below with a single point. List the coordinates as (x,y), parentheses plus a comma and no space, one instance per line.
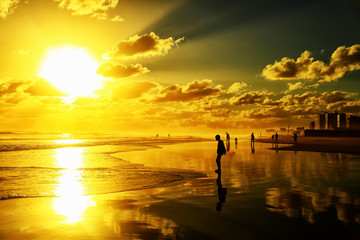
(117,70)
(343,60)
(142,46)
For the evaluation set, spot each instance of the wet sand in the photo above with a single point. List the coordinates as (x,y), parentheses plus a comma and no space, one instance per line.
(317,144)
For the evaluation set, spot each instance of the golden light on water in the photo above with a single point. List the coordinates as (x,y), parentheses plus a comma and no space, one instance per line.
(71,202)
(71,70)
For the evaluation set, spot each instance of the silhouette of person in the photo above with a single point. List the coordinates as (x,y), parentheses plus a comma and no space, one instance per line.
(272,138)
(220,151)
(236,142)
(276,138)
(295,138)
(252,143)
(157,135)
(221,193)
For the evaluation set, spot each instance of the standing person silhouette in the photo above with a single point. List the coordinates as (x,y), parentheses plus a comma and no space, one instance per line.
(295,138)
(276,138)
(221,150)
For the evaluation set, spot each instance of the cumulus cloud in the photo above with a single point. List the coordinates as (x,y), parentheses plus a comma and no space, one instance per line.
(7,7)
(117,18)
(249,98)
(95,8)
(198,89)
(236,87)
(343,60)
(314,98)
(142,46)
(295,86)
(345,106)
(116,70)
(37,87)
(131,90)
(41,87)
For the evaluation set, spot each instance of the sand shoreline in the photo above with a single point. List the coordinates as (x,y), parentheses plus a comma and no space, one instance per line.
(316,144)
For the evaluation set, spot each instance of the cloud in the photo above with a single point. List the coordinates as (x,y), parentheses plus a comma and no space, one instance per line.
(37,87)
(7,7)
(314,98)
(249,98)
(343,60)
(42,87)
(117,18)
(195,90)
(116,70)
(345,106)
(295,86)
(142,46)
(88,7)
(236,87)
(131,90)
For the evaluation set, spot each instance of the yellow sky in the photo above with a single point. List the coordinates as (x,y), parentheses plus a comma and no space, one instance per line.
(147,67)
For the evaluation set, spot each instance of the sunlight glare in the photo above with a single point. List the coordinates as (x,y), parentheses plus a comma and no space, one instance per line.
(71,70)
(71,202)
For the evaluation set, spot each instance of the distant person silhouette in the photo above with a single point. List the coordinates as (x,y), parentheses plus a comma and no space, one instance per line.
(272,138)
(220,151)
(252,143)
(276,138)
(221,193)
(295,138)
(236,142)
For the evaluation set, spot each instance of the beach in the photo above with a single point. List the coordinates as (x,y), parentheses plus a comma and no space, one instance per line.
(170,191)
(316,144)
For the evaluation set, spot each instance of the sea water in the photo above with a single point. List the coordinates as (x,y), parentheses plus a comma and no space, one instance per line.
(51,165)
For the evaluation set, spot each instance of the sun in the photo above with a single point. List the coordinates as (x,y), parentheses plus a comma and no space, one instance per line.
(71,70)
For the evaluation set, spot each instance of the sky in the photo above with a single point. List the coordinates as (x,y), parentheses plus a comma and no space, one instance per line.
(181,67)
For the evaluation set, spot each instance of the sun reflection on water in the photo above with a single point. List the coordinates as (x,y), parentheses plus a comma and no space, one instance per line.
(71,202)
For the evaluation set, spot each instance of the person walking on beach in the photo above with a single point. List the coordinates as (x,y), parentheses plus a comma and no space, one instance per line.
(220,151)
(295,138)
(235,142)
(276,138)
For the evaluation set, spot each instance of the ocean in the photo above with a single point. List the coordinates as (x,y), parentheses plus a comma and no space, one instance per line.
(51,165)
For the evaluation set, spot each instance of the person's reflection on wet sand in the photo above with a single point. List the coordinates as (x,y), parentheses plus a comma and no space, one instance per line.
(221,193)
(252,148)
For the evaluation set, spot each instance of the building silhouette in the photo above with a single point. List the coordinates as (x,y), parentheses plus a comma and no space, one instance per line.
(332,121)
(354,122)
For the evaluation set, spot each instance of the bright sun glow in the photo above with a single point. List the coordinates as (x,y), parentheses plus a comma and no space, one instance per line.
(71,70)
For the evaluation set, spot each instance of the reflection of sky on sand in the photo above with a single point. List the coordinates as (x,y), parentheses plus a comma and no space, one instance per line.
(300,184)
(71,202)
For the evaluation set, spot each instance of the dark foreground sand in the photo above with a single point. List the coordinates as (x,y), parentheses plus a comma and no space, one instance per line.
(317,144)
